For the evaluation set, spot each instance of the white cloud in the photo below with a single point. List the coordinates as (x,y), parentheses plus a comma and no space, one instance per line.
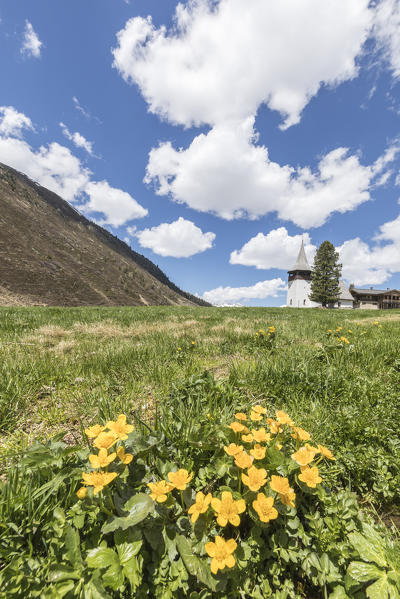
(77,139)
(225,173)
(31,43)
(363,264)
(261,290)
(277,249)
(179,239)
(224,59)
(118,206)
(386,31)
(56,168)
(13,122)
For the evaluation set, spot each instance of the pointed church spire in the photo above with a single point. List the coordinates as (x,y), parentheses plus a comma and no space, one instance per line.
(301,262)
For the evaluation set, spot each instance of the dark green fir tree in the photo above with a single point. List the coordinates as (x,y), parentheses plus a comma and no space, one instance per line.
(325,276)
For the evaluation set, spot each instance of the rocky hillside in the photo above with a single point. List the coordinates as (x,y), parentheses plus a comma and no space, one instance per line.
(52,255)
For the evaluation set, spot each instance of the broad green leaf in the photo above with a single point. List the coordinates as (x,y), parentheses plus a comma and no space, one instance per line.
(381,589)
(369,549)
(363,572)
(101,557)
(139,506)
(62,572)
(338,593)
(72,544)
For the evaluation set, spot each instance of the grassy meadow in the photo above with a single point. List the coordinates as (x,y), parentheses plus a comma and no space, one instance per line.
(64,368)
(170,369)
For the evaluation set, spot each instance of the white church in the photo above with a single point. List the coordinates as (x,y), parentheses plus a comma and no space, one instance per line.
(299,286)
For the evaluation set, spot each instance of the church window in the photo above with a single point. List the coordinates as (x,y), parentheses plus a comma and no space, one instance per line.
(304,302)
(291,302)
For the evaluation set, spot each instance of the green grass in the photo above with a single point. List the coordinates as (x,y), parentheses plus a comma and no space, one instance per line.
(61,368)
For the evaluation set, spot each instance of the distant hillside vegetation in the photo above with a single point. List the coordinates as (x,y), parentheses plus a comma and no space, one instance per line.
(52,255)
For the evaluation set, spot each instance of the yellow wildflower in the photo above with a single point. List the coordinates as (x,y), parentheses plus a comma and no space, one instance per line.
(201,505)
(263,505)
(280,485)
(255,478)
(289,498)
(300,434)
(221,553)
(259,409)
(274,426)
(326,452)
(180,479)
(98,480)
(105,440)
(233,449)
(339,329)
(120,428)
(81,493)
(260,435)
(159,490)
(310,476)
(93,431)
(243,460)
(227,509)
(247,438)
(272,329)
(304,455)
(238,428)
(284,418)
(329,330)
(240,416)
(126,458)
(255,416)
(344,339)
(278,446)
(102,460)
(258,452)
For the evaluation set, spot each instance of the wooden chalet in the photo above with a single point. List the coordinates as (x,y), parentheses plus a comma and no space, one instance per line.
(378,299)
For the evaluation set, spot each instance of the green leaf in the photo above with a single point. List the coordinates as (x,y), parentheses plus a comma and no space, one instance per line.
(338,593)
(101,557)
(363,572)
(139,506)
(62,572)
(274,458)
(380,589)
(370,549)
(72,544)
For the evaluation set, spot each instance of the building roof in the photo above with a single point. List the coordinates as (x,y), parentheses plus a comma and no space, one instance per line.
(372,291)
(344,292)
(301,262)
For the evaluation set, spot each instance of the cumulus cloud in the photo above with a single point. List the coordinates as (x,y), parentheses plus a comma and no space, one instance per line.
(31,43)
(77,139)
(261,290)
(224,172)
(386,31)
(179,239)
(56,168)
(373,265)
(118,206)
(224,59)
(276,249)
(13,122)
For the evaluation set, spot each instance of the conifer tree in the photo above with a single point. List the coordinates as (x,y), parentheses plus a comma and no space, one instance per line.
(325,275)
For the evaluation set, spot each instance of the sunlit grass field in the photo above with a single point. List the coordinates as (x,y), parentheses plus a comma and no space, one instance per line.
(65,368)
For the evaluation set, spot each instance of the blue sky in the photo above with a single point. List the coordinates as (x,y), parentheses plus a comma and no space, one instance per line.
(212,135)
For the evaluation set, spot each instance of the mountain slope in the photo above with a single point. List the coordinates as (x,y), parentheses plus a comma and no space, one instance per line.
(50,254)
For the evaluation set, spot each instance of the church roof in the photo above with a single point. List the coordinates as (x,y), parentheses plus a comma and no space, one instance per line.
(301,262)
(344,292)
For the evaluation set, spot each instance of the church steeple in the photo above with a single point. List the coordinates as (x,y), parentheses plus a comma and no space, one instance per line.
(301,262)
